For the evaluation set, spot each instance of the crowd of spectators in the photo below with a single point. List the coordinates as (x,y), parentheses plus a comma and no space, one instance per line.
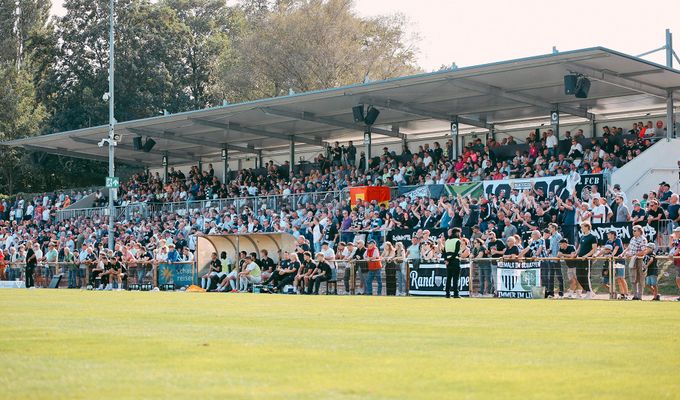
(509,221)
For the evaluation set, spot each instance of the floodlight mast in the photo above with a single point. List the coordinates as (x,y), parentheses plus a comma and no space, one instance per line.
(112,122)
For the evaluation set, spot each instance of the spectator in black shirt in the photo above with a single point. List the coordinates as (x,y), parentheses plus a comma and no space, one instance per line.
(587,248)
(266,265)
(321,273)
(215,268)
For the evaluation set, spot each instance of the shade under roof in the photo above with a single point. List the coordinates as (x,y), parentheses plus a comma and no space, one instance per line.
(486,96)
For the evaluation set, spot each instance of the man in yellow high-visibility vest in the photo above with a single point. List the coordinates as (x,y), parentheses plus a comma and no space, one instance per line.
(451,252)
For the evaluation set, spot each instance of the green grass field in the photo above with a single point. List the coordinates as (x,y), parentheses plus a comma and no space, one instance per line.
(75,344)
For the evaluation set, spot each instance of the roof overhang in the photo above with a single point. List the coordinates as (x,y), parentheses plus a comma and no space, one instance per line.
(489,96)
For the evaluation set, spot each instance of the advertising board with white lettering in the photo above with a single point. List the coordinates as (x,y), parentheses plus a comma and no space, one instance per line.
(624,231)
(515,279)
(430,280)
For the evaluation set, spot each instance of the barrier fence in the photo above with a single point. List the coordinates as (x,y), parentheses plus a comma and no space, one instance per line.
(273,202)
(607,277)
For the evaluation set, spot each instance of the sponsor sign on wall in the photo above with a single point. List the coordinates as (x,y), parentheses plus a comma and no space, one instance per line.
(430,280)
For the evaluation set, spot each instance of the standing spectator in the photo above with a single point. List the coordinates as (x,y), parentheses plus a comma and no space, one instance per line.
(372,255)
(622,212)
(616,245)
(31,263)
(554,270)
(649,261)
(451,256)
(587,247)
(71,266)
(635,252)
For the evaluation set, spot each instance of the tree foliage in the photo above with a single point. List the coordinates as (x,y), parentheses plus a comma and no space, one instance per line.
(314,44)
(175,55)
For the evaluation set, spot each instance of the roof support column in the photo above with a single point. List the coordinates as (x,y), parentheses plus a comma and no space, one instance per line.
(291,153)
(165,168)
(225,164)
(200,166)
(259,158)
(367,144)
(670,121)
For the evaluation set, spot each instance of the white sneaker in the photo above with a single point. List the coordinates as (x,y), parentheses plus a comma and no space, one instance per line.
(589,295)
(100,287)
(109,287)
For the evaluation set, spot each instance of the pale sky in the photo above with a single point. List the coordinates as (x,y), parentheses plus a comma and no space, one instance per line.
(474,32)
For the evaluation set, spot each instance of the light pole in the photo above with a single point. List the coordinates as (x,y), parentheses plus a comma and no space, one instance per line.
(112,122)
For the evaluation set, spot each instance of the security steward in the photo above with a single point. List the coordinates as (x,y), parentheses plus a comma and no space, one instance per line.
(451,252)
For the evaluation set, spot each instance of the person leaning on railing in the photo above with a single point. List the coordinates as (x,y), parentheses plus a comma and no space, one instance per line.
(635,252)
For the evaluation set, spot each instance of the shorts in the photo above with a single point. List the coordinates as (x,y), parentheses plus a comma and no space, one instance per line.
(619,270)
(571,273)
(651,280)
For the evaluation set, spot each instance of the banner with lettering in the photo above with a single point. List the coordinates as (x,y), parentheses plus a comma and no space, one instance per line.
(406,235)
(503,187)
(515,279)
(584,188)
(430,280)
(554,184)
(180,274)
(624,231)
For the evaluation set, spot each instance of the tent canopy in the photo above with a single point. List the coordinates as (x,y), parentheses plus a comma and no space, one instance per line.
(486,96)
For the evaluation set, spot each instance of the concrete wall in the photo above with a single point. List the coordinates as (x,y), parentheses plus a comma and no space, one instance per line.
(643,174)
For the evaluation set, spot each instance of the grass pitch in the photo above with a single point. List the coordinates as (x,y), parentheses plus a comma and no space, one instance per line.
(74,344)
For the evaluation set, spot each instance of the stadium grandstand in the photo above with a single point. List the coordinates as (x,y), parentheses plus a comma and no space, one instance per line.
(520,155)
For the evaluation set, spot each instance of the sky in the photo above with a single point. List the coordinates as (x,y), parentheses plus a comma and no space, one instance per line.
(473,32)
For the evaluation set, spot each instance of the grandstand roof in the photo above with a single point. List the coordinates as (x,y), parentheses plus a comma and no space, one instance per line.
(484,96)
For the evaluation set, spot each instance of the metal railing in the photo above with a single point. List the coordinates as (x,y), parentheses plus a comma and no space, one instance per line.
(273,202)
(603,277)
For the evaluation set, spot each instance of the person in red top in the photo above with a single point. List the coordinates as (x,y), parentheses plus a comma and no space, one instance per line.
(3,265)
(374,268)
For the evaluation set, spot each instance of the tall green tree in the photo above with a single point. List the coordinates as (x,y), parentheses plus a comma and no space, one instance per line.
(306,45)
(20,116)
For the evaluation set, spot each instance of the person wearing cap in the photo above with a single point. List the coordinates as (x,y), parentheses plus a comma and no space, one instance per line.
(451,257)
(638,216)
(652,270)
(374,264)
(635,252)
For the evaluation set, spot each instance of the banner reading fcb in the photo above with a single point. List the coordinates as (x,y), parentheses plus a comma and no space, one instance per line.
(381,194)
(515,279)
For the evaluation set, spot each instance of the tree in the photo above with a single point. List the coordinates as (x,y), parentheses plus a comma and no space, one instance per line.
(314,44)
(21,20)
(20,116)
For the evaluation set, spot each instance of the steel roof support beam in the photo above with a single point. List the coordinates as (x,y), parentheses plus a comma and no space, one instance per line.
(237,127)
(174,136)
(306,116)
(522,98)
(409,109)
(183,155)
(75,154)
